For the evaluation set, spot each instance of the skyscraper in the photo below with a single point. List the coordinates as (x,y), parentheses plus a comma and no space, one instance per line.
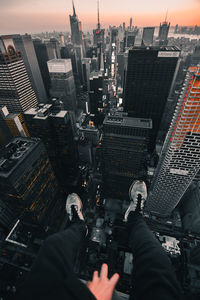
(163,33)
(27,181)
(96,92)
(76,28)
(124,148)
(180,158)
(149,76)
(98,33)
(44,52)
(16,92)
(62,82)
(54,126)
(147,35)
(24,44)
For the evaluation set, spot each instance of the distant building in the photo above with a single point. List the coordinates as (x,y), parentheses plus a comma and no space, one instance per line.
(17,97)
(54,126)
(180,157)
(147,35)
(96,92)
(124,151)
(76,29)
(98,33)
(86,65)
(129,38)
(62,82)
(56,46)
(44,53)
(24,44)
(163,33)
(27,181)
(150,74)
(88,139)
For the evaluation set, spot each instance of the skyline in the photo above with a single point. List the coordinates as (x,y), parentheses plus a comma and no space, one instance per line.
(36,16)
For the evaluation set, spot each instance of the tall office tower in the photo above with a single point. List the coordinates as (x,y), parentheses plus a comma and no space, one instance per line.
(163,33)
(62,82)
(55,43)
(121,67)
(24,44)
(27,181)
(124,150)
(96,92)
(15,122)
(68,52)
(131,22)
(180,158)
(44,53)
(16,89)
(76,29)
(98,33)
(147,36)
(86,65)
(129,38)
(176,29)
(62,39)
(54,126)
(78,50)
(88,137)
(149,77)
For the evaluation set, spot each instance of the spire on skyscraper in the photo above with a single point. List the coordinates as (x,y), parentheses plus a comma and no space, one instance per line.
(74,12)
(98,24)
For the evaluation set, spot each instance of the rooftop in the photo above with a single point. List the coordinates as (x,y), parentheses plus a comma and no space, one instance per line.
(120,120)
(14,152)
(43,111)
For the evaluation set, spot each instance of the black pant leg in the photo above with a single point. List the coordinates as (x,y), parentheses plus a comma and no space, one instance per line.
(53,268)
(153,273)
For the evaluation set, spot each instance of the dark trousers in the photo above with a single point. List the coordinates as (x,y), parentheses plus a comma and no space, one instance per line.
(52,274)
(153,274)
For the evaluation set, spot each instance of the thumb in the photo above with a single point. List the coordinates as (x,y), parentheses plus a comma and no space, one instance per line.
(113,280)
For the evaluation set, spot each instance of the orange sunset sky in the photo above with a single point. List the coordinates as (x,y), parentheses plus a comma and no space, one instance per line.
(20,16)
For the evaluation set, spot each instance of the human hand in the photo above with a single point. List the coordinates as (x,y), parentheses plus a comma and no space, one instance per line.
(102,287)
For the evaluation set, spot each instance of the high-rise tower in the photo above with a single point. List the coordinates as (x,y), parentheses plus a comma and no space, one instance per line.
(149,76)
(76,28)
(27,181)
(24,44)
(98,33)
(62,82)
(163,32)
(147,36)
(180,158)
(124,148)
(16,91)
(44,52)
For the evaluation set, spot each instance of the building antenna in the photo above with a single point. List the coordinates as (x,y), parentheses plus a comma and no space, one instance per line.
(166,16)
(98,24)
(74,12)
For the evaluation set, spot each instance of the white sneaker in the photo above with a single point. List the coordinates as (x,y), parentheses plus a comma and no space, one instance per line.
(74,207)
(138,196)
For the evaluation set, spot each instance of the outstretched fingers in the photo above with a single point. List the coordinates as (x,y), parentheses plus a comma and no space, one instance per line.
(104,271)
